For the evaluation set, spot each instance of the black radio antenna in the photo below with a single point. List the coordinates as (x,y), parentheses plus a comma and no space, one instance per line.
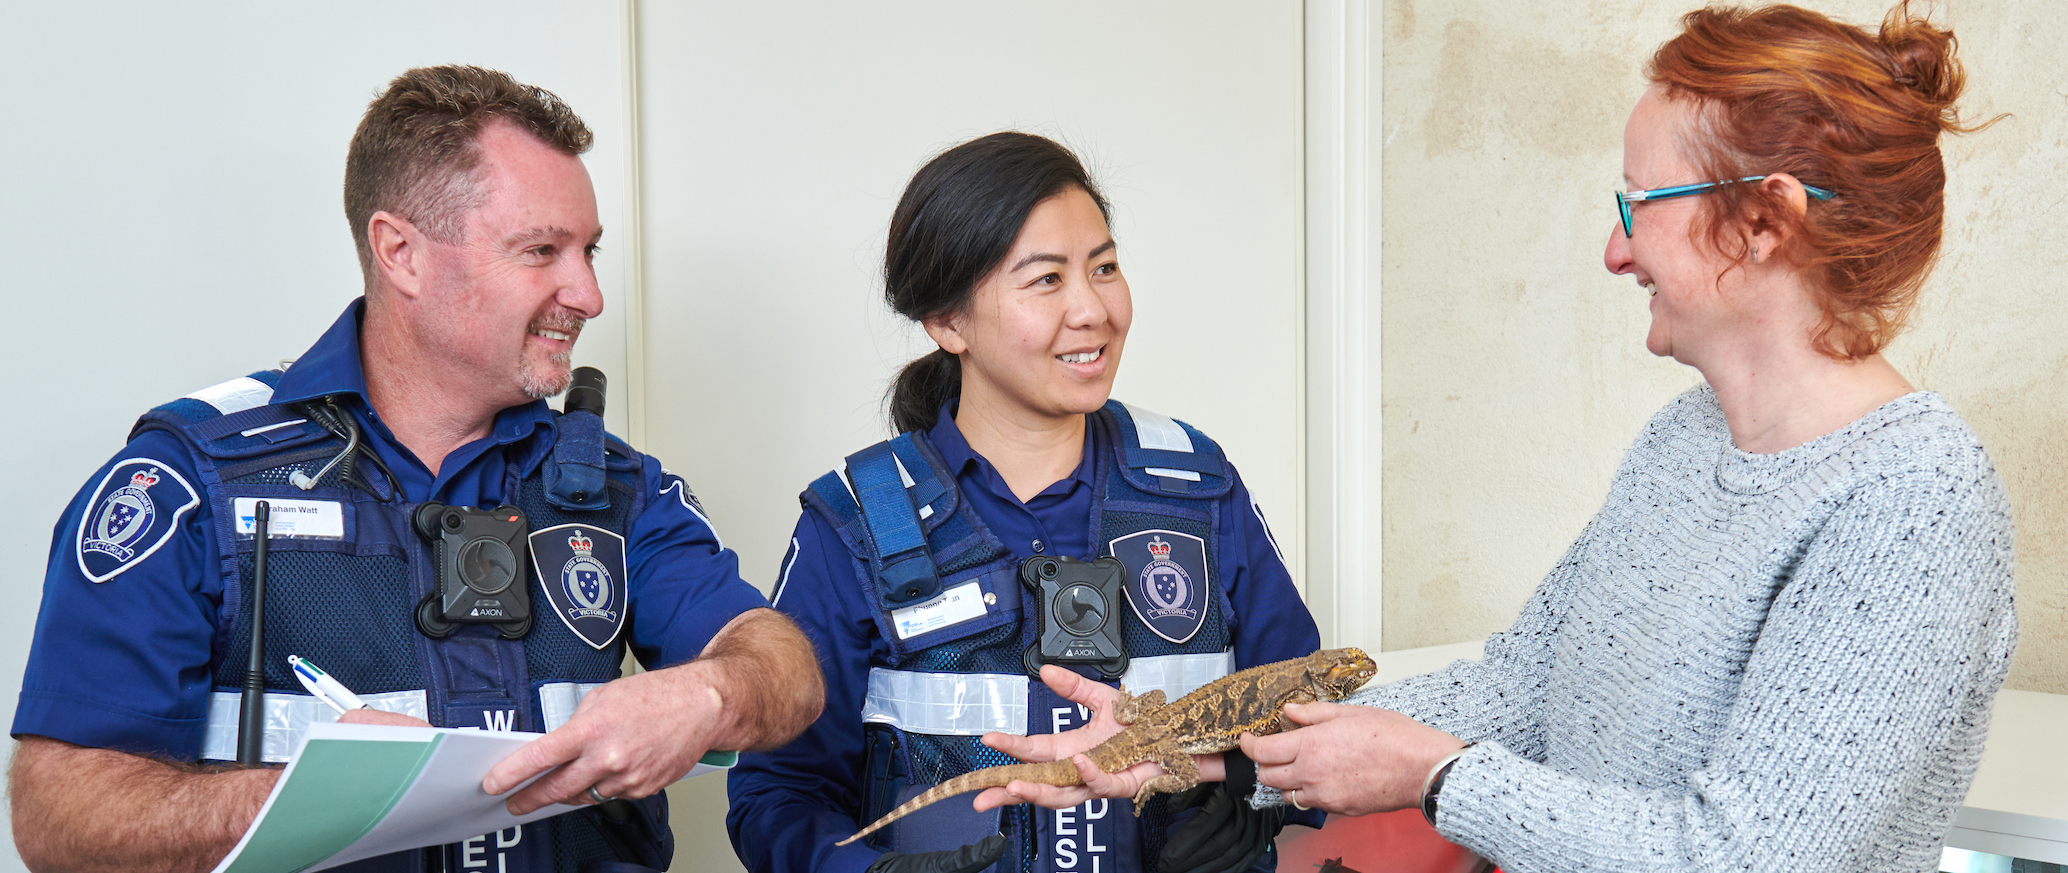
(251,718)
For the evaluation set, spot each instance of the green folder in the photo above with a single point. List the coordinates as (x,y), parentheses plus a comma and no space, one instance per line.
(340,790)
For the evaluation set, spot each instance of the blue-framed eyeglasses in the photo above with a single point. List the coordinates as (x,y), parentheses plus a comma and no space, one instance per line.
(1625,198)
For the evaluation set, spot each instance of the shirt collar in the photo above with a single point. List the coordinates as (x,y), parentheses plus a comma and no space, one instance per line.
(329,367)
(956,451)
(333,367)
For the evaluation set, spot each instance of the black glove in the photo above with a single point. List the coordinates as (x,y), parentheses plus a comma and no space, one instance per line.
(1226,836)
(968,859)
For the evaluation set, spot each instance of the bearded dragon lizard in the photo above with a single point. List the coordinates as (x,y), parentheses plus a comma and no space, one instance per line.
(1208,720)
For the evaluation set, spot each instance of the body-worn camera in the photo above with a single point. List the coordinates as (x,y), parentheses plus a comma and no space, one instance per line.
(1079,607)
(481,562)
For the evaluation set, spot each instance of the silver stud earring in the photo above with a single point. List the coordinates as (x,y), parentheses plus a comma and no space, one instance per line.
(1755,252)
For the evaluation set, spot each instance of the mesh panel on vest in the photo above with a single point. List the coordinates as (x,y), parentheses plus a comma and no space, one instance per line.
(352,615)
(937,758)
(1155,824)
(576,842)
(1022,818)
(958,529)
(1142,642)
(279,475)
(997,650)
(355,615)
(552,650)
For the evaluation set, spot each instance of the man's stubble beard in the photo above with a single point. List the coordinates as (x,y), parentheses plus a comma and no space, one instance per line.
(537,385)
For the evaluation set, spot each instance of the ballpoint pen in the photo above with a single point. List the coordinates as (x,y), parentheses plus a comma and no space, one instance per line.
(325,688)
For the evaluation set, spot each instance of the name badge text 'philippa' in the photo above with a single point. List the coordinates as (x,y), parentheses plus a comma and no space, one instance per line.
(955,606)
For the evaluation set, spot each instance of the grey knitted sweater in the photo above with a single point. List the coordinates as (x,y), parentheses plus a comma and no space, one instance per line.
(1745,662)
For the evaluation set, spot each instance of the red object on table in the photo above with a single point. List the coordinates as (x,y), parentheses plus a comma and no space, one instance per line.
(1392,842)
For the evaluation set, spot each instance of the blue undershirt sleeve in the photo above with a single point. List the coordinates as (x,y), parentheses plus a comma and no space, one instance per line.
(685,583)
(1271,622)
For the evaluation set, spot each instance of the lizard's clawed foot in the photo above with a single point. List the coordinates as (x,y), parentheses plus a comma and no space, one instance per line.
(1168,783)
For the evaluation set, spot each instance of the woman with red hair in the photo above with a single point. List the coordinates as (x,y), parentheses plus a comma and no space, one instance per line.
(1777,644)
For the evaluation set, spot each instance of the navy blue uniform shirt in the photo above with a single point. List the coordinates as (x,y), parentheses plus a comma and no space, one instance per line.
(125,662)
(791,805)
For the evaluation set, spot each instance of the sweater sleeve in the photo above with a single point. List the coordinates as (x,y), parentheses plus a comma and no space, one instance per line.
(1869,687)
(1498,698)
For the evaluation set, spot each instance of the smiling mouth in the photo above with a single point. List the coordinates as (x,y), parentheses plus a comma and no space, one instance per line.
(1082,357)
(561,326)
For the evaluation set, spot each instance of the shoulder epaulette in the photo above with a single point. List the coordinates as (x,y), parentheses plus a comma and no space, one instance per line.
(233,419)
(1162,455)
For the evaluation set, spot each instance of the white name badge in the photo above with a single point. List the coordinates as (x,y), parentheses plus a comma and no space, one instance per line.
(955,606)
(305,519)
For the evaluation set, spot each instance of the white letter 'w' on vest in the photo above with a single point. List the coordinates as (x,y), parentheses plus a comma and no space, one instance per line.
(498,720)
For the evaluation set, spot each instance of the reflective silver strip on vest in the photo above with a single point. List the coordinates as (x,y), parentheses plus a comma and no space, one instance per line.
(1176,675)
(557,700)
(953,704)
(287,717)
(236,395)
(1157,431)
(276,426)
(972,704)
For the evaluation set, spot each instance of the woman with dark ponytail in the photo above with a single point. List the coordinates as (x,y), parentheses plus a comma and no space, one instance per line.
(1020,518)
(1776,645)
(959,217)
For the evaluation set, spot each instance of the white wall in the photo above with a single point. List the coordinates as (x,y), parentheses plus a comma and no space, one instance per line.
(171,206)
(776,144)
(173,196)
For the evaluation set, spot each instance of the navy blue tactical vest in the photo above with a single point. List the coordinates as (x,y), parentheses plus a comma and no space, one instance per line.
(343,593)
(950,606)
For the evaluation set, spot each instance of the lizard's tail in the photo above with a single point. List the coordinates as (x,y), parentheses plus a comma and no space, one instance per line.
(1052,773)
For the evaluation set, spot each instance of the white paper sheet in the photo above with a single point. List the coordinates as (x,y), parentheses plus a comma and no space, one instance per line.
(440,802)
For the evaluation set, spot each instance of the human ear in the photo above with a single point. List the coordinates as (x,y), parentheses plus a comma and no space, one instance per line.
(1765,235)
(398,249)
(946,331)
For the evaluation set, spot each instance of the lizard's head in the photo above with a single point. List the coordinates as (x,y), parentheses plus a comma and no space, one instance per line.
(1341,671)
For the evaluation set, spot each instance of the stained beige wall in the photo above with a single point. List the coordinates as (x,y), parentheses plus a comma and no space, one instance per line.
(1514,371)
